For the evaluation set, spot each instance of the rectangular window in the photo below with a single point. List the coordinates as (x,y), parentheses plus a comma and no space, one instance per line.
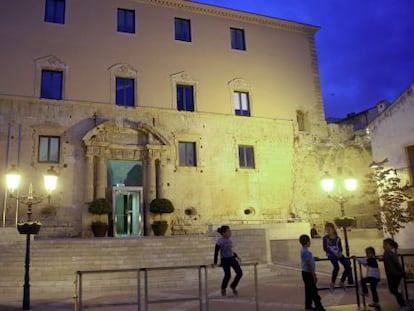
(126,21)
(182,29)
(187,153)
(238,41)
(410,156)
(125,92)
(49,149)
(185,97)
(51,84)
(241,104)
(246,157)
(55,11)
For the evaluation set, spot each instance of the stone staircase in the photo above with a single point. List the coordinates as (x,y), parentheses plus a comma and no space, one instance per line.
(54,263)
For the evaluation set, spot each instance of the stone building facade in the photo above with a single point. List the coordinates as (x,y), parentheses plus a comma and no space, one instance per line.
(392,138)
(218,110)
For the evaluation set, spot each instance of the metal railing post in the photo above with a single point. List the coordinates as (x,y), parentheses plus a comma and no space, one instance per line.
(256,289)
(404,278)
(80,291)
(146,289)
(200,289)
(206,287)
(356,281)
(75,296)
(139,289)
(364,303)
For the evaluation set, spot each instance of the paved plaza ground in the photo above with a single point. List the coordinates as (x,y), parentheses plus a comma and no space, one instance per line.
(276,293)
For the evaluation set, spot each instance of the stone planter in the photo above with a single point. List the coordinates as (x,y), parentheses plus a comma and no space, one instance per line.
(99,229)
(159,227)
(29,227)
(345,222)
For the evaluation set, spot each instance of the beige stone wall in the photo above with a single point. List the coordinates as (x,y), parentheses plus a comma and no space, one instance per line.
(279,69)
(343,153)
(286,178)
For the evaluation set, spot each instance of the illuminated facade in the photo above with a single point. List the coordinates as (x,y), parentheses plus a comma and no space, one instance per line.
(218,110)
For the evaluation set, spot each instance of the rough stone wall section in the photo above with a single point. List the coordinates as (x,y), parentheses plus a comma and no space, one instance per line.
(318,119)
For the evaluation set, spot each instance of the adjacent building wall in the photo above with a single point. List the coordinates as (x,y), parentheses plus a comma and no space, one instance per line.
(391,133)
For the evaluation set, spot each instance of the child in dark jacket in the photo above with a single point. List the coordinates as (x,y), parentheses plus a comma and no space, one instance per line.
(393,270)
(333,247)
(372,277)
(229,259)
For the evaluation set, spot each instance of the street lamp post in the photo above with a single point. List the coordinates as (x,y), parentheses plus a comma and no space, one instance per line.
(29,227)
(336,191)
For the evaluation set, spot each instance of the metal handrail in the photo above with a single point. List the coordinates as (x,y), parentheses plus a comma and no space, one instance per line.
(203,297)
(147,301)
(355,278)
(406,281)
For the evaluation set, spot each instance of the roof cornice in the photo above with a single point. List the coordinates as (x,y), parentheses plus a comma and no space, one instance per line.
(246,17)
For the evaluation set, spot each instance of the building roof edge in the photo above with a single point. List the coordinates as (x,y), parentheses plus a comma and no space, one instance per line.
(201,8)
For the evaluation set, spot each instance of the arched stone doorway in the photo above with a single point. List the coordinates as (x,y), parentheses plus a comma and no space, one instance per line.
(124,141)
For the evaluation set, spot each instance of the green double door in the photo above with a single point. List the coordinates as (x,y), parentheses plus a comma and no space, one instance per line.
(128,217)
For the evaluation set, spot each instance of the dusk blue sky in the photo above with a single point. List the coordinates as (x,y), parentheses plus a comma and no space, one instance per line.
(365,47)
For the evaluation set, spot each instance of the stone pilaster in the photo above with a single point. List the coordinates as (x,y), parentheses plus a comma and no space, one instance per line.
(150,187)
(89,178)
(101,179)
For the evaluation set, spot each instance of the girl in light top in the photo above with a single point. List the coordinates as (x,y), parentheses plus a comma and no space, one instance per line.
(373,275)
(333,247)
(229,259)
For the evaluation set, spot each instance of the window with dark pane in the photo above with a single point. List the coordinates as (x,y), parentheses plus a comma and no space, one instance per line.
(182,29)
(49,149)
(241,103)
(185,97)
(51,86)
(246,157)
(126,20)
(300,117)
(238,41)
(125,92)
(187,153)
(55,11)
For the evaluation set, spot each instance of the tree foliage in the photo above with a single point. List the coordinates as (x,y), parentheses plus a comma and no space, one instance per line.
(392,214)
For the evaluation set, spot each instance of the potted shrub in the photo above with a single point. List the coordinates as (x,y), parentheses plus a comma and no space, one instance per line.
(160,206)
(100,207)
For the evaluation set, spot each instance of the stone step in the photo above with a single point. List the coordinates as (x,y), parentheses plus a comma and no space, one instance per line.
(54,262)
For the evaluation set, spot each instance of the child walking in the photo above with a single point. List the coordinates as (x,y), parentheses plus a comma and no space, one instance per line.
(393,270)
(373,275)
(309,275)
(333,247)
(224,246)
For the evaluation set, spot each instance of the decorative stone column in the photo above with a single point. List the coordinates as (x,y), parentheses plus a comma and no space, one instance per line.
(149,188)
(101,178)
(89,191)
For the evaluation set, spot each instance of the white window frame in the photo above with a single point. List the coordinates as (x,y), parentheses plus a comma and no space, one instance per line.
(183,78)
(52,63)
(122,70)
